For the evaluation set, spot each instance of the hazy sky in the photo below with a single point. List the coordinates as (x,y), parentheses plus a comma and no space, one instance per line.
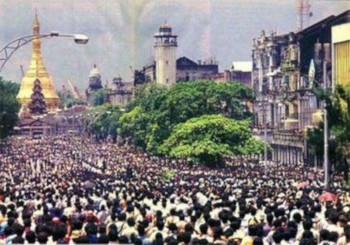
(121,32)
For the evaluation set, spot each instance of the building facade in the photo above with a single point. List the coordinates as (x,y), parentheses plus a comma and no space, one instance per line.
(188,70)
(240,72)
(341,54)
(120,93)
(95,84)
(285,69)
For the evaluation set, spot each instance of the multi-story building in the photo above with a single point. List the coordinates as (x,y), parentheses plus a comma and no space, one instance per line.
(285,69)
(188,70)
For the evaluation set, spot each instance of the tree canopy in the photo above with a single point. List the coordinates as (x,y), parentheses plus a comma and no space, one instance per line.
(98,97)
(210,137)
(158,114)
(338,110)
(102,121)
(9,107)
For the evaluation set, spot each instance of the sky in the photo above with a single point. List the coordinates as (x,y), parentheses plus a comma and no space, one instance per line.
(121,32)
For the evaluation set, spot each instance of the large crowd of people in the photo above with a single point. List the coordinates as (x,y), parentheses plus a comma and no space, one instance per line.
(68,190)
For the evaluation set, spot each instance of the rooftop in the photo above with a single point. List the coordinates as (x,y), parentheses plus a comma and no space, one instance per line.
(242,65)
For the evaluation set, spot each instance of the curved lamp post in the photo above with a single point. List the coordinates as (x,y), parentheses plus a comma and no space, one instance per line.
(7,51)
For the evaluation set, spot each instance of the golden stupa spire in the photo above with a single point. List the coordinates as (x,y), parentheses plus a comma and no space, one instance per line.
(38,71)
(36,24)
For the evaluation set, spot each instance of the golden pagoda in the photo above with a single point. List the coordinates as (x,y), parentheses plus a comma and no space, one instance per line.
(37,71)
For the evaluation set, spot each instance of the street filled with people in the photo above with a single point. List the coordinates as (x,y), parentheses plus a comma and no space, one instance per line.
(70,190)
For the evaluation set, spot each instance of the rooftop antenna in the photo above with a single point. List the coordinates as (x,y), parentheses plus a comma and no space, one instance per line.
(303,14)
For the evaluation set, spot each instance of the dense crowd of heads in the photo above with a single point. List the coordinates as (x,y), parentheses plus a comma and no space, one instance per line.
(67,190)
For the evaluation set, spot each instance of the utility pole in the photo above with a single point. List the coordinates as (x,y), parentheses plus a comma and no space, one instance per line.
(264,121)
(265,140)
(325,129)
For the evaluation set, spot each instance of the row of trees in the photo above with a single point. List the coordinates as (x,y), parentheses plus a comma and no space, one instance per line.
(338,110)
(201,120)
(9,107)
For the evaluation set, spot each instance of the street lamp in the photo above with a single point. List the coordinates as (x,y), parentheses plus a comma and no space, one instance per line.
(325,129)
(325,122)
(264,121)
(325,156)
(7,51)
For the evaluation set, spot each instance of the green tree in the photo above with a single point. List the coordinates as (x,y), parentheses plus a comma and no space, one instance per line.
(134,125)
(187,100)
(127,122)
(341,129)
(98,97)
(337,105)
(102,121)
(9,107)
(208,138)
(149,97)
(159,109)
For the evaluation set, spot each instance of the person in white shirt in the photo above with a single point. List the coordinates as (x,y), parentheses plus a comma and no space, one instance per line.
(345,239)
(331,225)
(297,210)
(307,226)
(130,231)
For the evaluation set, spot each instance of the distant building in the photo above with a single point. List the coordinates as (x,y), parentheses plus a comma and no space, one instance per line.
(188,70)
(239,72)
(150,72)
(120,93)
(95,84)
(165,59)
(168,70)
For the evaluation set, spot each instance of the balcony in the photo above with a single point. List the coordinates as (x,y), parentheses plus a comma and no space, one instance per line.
(288,137)
(289,65)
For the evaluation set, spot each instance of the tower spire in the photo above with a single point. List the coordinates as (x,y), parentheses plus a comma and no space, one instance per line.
(38,71)
(165,55)
(36,24)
